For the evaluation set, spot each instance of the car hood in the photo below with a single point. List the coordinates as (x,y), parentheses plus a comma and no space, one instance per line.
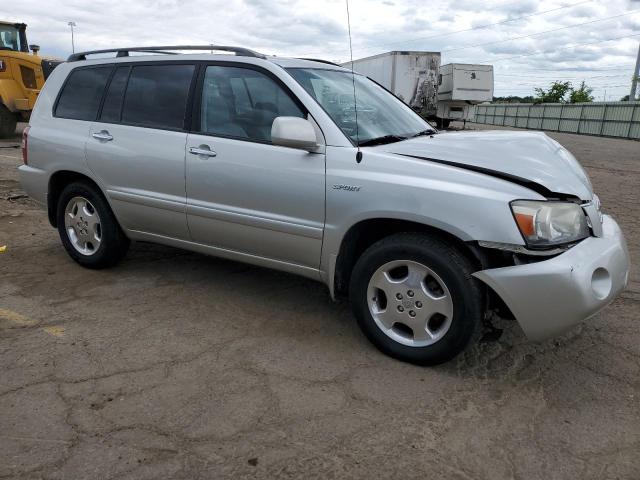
(531,159)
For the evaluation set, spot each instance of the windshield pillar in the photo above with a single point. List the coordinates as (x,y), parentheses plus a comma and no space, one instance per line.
(22,37)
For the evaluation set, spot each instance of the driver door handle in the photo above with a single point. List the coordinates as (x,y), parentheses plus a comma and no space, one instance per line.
(202,151)
(102,135)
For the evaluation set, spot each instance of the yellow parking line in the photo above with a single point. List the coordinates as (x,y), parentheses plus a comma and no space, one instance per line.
(17,319)
(55,331)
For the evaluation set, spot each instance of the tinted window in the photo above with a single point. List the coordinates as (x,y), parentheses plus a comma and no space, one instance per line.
(241,94)
(243,103)
(81,95)
(113,99)
(157,96)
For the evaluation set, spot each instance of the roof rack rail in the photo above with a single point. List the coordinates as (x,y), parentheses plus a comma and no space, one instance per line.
(319,60)
(124,52)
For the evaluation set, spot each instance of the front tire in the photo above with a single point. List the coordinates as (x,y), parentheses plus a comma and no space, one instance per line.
(88,228)
(415,299)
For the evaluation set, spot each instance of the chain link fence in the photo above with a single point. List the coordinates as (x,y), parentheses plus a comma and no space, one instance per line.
(609,119)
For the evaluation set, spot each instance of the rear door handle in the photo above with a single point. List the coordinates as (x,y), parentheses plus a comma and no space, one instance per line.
(102,135)
(202,151)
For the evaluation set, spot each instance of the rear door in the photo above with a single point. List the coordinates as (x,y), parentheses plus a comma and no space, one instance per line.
(245,194)
(63,138)
(137,146)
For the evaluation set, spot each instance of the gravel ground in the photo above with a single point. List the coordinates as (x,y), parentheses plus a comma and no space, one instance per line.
(177,365)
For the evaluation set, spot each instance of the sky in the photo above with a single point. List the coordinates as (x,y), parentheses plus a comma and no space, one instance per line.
(530,43)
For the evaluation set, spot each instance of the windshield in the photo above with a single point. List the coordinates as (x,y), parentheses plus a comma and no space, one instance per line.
(382,118)
(9,38)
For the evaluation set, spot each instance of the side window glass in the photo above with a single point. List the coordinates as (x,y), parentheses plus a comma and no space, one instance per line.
(157,96)
(115,93)
(243,103)
(82,92)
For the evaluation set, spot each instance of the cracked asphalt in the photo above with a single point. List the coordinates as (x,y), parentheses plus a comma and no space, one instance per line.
(174,365)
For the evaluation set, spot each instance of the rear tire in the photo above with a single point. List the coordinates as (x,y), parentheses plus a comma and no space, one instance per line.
(88,228)
(415,299)
(8,122)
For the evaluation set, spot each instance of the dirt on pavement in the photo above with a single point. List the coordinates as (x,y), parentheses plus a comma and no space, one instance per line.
(178,365)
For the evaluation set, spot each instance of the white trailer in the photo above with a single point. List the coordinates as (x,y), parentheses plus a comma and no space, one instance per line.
(461,85)
(438,93)
(411,76)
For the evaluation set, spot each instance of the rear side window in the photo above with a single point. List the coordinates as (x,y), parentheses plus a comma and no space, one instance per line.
(81,94)
(115,93)
(157,96)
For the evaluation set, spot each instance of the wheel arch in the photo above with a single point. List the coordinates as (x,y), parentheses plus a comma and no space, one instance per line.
(57,183)
(365,233)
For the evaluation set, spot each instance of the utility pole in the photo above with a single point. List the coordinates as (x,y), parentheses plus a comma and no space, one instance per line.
(634,79)
(73,47)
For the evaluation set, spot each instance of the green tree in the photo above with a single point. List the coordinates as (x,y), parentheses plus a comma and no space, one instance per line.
(513,99)
(556,93)
(581,95)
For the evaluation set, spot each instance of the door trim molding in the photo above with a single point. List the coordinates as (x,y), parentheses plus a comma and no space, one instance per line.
(148,201)
(246,219)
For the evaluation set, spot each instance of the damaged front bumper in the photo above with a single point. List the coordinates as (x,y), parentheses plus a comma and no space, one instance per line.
(550,296)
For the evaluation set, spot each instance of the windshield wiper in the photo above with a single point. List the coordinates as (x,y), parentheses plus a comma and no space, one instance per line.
(381,140)
(424,133)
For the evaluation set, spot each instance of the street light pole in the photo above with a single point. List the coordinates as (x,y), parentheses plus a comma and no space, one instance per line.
(73,47)
(634,79)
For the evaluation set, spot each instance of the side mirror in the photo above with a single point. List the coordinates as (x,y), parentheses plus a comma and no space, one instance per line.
(294,132)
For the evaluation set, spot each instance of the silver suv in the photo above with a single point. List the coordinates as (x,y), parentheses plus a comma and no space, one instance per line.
(271,161)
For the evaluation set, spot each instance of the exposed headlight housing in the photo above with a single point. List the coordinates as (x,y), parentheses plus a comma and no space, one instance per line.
(546,224)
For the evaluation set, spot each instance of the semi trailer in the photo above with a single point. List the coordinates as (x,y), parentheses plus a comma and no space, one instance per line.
(440,93)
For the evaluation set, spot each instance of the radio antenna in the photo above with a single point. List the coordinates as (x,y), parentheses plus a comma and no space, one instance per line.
(353,78)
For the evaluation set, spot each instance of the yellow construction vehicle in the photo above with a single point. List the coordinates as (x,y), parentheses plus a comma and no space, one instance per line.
(22,75)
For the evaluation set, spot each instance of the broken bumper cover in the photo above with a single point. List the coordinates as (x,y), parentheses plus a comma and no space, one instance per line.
(551,296)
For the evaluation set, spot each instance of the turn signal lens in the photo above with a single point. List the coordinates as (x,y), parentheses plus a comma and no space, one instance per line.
(525,224)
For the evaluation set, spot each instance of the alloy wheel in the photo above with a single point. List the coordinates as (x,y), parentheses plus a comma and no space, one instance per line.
(83,226)
(410,303)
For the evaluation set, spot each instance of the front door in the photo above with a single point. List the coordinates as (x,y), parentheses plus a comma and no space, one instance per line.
(245,194)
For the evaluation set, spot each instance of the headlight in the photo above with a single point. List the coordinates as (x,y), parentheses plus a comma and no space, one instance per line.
(550,223)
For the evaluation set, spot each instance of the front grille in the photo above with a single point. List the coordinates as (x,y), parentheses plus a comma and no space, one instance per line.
(28,77)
